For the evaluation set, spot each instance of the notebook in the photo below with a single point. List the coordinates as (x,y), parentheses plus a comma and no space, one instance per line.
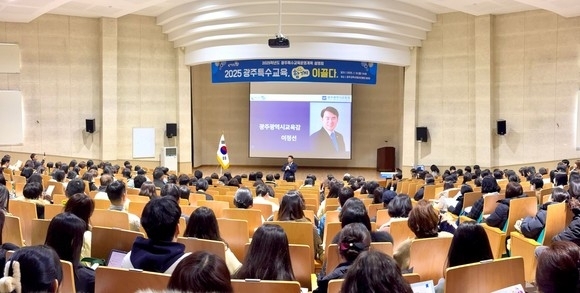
(116,258)
(423,287)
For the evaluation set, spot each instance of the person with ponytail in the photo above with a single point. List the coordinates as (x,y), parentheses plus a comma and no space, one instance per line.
(354,239)
(32,269)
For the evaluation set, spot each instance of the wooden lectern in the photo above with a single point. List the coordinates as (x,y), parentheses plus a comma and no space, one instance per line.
(386,159)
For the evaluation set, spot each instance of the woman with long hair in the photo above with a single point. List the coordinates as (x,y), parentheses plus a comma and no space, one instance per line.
(65,236)
(203,225)
(292,209)
(83,207)
(268,256)
(469,245)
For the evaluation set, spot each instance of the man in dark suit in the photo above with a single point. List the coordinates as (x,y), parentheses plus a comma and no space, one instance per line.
(326,140)
(290,169)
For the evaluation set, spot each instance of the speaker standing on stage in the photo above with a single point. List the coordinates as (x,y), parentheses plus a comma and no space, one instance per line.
(290,169)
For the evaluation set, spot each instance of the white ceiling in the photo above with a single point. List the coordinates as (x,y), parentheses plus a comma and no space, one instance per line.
(212,30)
(28,10)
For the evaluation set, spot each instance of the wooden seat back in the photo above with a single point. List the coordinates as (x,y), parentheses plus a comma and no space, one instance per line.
(470,198)
(373,208)
(331,230)
(555,222)
(59,198)
(519,209)
(216,206)
(58,188)
(428,192)
(12,232)
(297,232)
(428,257)
(26,211)
(195,244)
(68,279)
(254,217)
(234,233)
(39,231)
(265,209)
(105,239)
(136,207)
(412,278)
(334,286)
(400,231)
(51,210)
(490,203)
(112,219)
(111,280)
(486,276)
(102,204)
(382,217)
(254,286)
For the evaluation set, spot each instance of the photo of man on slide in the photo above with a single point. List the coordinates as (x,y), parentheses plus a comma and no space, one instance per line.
(327,141)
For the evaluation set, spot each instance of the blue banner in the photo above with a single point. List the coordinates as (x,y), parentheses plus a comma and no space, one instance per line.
(300,70)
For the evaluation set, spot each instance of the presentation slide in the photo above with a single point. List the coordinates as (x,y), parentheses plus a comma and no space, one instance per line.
(306,120)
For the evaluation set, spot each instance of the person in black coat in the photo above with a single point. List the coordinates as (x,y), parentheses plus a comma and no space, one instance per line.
(572,232)
(499,216)
(531,227)
(488,186)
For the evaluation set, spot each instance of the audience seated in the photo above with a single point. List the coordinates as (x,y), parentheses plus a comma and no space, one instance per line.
(203,225)
(82,206)
(455,204)
(572,232)
(65,236)
(469,245)
(557,270)
(292,209)
(268,257)
(500,215)
(4,198)
(263,193)
(201,187)
(148,189)
(334,188)
(243,198)
(201,272)
(74,186)
(33,193)
(159,252)
(139,180)
(117,195)
(105,179)
(488,187)
(32,269)
(531,227)
(158,178)
(398,209)
(374,272)
(354,238)
(429,180)
(344,194)
(424,223)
